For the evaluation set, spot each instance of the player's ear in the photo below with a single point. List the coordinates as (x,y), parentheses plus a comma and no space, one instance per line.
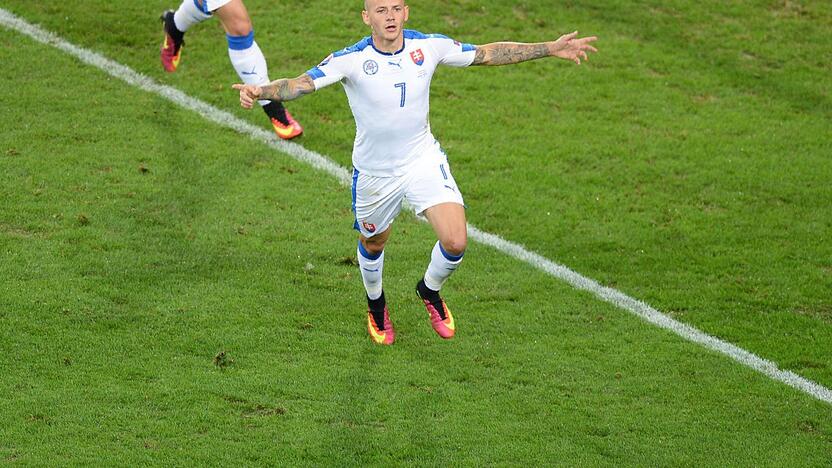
(406,13)
(366,17)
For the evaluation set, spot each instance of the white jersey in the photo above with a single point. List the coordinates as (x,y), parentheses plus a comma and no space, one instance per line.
(389,96)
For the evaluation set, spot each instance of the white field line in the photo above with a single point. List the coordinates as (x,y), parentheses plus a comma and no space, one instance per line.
(509,248)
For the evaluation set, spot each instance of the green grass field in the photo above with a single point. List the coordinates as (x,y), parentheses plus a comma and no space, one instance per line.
(687,165)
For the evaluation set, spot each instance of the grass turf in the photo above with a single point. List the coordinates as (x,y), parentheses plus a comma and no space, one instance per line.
(682,173)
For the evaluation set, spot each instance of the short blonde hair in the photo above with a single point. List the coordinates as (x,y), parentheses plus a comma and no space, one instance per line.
(367,4)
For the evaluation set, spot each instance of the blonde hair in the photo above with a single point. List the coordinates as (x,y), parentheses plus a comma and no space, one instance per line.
(367,6)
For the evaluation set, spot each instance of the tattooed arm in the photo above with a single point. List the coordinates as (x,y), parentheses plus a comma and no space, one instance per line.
(567,47)
(279,90)
(287,90)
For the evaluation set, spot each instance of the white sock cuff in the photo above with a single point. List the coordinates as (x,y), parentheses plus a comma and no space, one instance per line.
(455,259)
(241,43)
(371,267)
(367,256)
(441,267)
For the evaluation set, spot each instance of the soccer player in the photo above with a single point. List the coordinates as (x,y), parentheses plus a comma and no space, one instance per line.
(395,157)
(244,52)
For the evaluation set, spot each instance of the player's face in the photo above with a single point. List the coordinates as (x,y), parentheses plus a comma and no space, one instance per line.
(386,18)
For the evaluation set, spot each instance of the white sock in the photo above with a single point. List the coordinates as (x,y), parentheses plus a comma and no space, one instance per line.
(442,265)
(371,268)
(248,60)
(188,15)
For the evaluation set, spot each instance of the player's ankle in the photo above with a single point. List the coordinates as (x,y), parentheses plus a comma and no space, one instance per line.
(376,307)
(427,293)
(275,110)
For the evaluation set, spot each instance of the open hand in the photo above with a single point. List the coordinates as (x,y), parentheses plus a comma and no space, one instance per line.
(569,47)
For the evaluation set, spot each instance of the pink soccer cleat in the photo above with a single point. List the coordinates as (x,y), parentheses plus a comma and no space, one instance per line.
(443,327)
(440,316)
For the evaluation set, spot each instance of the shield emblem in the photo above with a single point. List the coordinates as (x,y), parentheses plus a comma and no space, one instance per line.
(368,226)
(418,57)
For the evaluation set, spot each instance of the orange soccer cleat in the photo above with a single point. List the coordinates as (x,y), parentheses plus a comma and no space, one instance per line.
(383,337)
(284,131)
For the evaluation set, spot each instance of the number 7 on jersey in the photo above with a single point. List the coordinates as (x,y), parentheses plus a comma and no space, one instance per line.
(403,86)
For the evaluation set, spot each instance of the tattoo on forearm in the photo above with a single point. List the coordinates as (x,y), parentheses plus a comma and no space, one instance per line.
(505,53)
(479,56)
(288,90)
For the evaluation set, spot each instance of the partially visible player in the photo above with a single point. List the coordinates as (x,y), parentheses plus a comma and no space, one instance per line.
(245,54)
(395,157)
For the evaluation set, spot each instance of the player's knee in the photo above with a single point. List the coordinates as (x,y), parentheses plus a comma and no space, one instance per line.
(235,20)
(374,249)
(239,28)
(455,245)
(373,246)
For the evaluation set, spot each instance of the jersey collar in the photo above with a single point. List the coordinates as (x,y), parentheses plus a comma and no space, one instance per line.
(404,43)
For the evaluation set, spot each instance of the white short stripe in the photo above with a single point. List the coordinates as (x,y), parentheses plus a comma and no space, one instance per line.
(318,161)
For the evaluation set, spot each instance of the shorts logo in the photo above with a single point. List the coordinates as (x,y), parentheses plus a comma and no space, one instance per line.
(368,227)
(418,57)
(370,67)
(326,61)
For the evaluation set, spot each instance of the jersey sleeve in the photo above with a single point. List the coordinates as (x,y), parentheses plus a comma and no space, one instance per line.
(453,53)
(332,70)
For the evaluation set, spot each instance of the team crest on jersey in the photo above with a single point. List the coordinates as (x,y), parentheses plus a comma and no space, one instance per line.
(418,57)
(368,226)
(370,67)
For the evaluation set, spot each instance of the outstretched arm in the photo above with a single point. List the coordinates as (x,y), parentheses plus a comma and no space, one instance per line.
(279,90)
(567,47)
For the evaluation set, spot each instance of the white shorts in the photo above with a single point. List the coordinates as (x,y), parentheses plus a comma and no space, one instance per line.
(376,201)
(209,6)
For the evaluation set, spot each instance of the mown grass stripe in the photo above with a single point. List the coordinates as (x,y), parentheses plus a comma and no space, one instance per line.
(318,161)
